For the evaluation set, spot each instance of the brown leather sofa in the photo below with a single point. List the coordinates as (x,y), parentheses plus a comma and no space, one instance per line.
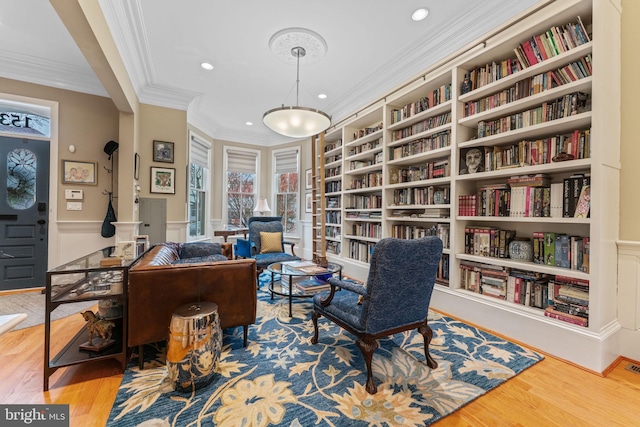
(157,288)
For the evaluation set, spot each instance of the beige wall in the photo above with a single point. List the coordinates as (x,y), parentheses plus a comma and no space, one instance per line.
(88,122)
(630,134)
(164,124)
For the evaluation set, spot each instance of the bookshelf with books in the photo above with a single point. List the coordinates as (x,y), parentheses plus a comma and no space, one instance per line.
(332,202)
(546,133)
(363,183)
(541,152)
(418,163)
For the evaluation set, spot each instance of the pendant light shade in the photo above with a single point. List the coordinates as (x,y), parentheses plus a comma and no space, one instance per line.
(297,122)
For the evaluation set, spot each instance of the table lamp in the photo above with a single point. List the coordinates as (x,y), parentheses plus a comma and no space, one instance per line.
(262,206)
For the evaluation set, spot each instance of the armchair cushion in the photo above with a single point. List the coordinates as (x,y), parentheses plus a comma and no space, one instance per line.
(199,249)
(270,242)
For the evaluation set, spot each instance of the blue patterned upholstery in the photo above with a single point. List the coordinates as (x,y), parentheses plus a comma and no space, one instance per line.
(251,246)
(397,295)
(199,249)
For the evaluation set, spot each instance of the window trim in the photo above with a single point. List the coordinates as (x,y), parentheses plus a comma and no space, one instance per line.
(225,163)
(274,184)
(198,139)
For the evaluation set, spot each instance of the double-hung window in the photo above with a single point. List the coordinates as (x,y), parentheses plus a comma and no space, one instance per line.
(287,187)
(199,152)
(241,184)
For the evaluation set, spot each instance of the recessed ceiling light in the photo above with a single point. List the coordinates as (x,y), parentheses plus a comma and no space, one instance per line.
(249,123)
(420,14)
(322,96)
(206,66)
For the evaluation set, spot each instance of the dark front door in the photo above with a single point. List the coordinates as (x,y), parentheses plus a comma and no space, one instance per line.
(24,174)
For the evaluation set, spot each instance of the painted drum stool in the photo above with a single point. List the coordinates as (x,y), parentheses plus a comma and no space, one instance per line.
(195,343)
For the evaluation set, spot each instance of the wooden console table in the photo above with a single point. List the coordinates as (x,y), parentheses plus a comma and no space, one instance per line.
(232,232)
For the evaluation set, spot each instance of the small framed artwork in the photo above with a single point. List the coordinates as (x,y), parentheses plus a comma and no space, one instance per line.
(79,172)
(163,180)
(308,182)
(136,166)
(162,151)
(308,203)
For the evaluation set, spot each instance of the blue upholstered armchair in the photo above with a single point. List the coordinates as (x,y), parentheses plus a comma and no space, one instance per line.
(396,297)
(253,246)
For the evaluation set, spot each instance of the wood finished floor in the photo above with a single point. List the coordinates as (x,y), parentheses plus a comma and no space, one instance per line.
(551,393)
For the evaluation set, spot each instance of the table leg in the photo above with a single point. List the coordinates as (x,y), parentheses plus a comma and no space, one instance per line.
(271,289)
(290,294)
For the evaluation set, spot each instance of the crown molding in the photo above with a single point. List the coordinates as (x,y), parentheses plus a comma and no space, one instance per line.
(49,73)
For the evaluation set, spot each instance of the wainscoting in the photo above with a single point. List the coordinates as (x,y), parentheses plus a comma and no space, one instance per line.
(629,298)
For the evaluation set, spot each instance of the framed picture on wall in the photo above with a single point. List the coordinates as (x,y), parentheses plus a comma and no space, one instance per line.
(162,151)
(308,203)
(163,180)
(308,178)
(75,172)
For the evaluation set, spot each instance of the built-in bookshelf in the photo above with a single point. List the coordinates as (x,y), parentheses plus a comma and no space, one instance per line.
(545,131)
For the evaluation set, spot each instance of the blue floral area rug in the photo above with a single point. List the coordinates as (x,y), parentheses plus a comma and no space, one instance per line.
(281,379)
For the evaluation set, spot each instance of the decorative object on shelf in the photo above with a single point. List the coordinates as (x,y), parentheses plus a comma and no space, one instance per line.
(473,160)
(97,327)
(262,207)
(296,121)
(75,172)
(562,157)
(308,182)
(162,151)
(466,85)
(163,180)
(521,249)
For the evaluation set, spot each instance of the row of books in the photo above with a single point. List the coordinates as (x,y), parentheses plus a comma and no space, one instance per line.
(571,72)
(488,241)
(361,251)
(422,145)
(538,152)
(556,40)
(551,43)
(370,201)
(330,146)
(359,164)
(367,229)
(366,146)
(433,98)
(406,231)
(531,196)
(429,170)
(561,297)
(422,126)
(333,186)
(568,105)
(361,133)
(561,250)
(363,215)
(421,196)
(367,180)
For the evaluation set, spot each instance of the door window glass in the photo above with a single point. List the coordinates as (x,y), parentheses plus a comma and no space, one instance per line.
(21,178)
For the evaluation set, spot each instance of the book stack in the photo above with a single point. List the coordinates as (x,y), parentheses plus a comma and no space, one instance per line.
(569,300)
(311,285)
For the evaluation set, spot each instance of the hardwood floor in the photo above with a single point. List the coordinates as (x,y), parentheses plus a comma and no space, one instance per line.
(551,393)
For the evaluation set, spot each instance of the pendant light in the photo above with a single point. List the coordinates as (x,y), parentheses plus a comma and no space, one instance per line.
(296,121)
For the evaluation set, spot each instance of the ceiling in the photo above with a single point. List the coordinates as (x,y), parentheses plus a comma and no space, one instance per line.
(373,46)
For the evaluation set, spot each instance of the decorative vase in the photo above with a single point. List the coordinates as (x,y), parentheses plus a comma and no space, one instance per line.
(521,249)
